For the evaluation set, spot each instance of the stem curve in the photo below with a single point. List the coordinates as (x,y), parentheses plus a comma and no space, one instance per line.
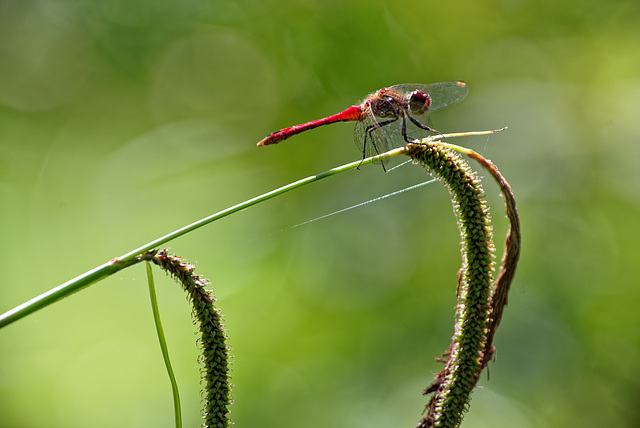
(452,387)
(215,352)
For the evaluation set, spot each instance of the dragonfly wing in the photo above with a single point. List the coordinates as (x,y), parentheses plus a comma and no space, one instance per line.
(374,136)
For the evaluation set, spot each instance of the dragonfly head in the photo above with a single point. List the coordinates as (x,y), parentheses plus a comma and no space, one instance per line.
(418,102)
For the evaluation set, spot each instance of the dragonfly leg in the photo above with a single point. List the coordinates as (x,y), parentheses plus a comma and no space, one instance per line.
(369,133)
(370,140)
(415,122)
(421,125)
(404,129)
(364,155)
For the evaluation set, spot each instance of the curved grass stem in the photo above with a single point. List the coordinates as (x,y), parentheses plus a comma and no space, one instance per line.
(163,346)
(511,254)
(480,301)
(214,357)
(454,384)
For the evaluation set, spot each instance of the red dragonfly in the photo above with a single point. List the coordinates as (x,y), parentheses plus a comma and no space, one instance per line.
(384,117)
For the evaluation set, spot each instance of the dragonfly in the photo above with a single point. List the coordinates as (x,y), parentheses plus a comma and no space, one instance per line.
(387,118)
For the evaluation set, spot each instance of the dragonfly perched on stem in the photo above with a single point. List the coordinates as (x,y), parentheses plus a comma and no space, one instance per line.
(384,117)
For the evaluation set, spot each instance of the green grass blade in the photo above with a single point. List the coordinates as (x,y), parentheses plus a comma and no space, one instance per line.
(78,283)
(163,346)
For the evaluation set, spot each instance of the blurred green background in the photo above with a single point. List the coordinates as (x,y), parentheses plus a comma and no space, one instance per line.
(123,120)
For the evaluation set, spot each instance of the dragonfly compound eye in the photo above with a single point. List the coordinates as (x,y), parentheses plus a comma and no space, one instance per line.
(419,102)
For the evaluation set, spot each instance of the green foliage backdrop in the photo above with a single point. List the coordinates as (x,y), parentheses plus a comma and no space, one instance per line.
(123,120)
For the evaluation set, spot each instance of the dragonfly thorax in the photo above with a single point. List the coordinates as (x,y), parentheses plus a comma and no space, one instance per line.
(385,104)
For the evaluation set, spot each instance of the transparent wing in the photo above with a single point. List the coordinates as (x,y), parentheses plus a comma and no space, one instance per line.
(442,94)
(376,135)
